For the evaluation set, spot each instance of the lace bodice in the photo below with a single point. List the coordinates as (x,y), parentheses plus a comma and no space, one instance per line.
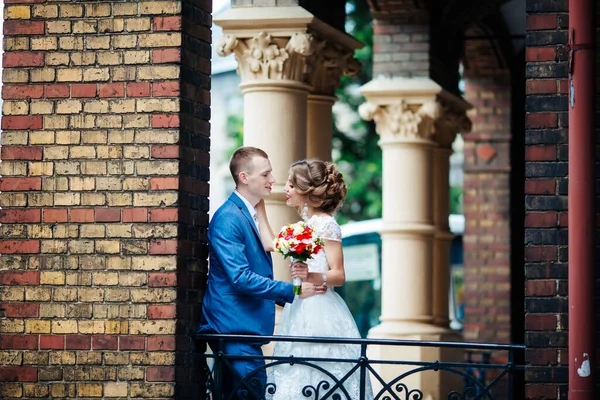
(326,228)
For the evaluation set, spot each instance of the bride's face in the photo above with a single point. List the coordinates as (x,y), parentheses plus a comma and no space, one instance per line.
(292,198)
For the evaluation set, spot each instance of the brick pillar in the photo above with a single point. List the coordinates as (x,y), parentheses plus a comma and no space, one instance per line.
(487,196)
(104,196)
(418,45)
(400,50)
(546,168)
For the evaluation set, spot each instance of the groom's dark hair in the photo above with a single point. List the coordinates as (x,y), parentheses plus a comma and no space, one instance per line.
(242,158)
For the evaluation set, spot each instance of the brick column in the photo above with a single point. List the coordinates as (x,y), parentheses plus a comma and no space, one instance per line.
(418,45)
(546,189)
(487,171)
(104,196)
(400,49)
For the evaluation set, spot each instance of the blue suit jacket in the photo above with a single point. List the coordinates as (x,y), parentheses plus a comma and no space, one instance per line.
(241,293)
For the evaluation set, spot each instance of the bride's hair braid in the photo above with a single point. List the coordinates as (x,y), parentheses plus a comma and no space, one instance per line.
(321,182)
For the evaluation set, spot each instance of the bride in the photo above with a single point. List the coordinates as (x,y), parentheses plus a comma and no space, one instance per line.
(317,189)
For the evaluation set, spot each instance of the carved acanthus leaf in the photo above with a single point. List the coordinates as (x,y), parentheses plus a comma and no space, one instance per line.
(264,57)
(328,64)
(398,119)
(451,122)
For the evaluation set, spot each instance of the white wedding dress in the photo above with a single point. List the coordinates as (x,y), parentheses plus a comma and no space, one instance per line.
(325,315)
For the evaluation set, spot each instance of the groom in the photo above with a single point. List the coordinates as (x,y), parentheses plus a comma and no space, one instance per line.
(241,293)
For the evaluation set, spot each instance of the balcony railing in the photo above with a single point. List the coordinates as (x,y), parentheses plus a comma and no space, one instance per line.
(483,371)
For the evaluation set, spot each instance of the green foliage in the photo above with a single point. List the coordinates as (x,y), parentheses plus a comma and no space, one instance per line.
(456,200)
(235,132)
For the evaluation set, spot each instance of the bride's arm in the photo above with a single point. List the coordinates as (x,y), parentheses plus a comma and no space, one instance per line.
(266,233)
(336,276)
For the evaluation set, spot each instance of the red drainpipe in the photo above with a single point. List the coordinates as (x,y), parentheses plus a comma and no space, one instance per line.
(582,215)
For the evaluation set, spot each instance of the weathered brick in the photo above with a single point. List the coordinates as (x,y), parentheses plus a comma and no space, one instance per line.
(19,246)
(164,56)
(56,91)
(89,389)
(124,41)
(23,59)
(18,374)
(22,92)
(17,12)
(160,7)
(150,73)
(540,22)
(15,76)
(24,28)
(84,58)
(69,75)
(71,10)
(108,58)
(166,23)
(51,342)
(163,343)
(160,374)
(21,122)
(45,11)
(111,25)
(96,75)
(59,27)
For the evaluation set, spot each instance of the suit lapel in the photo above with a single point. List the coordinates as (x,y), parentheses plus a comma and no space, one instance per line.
(242,207)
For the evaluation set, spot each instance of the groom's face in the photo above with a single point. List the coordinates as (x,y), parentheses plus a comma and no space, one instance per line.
(259,178)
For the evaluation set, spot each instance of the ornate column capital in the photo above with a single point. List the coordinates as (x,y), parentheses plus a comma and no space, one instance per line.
(264,57)
(452,120)
(414,108)
(401,119)
(327,65)
(286,43)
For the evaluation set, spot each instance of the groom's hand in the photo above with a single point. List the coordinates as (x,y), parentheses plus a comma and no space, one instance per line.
(299,270)
(310,289)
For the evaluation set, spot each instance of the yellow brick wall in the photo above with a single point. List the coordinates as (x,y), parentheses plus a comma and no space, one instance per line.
(104,196)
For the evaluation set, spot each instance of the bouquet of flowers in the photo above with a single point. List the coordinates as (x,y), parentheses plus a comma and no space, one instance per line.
(299,242)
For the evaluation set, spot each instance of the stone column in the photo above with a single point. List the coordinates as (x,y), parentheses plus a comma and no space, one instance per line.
(329,63)
(278,50)
(407,112)
(320,126)
(453,120)
(405,124)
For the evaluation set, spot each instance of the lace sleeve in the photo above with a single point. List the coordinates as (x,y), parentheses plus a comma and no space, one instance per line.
(331,231)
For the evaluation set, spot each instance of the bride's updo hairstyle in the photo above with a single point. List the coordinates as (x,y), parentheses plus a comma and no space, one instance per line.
(321,182)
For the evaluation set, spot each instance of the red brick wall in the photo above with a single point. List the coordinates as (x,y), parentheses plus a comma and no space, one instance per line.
(104,196)
(486,195)
(546,200)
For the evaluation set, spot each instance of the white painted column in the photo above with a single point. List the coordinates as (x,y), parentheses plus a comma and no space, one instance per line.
(405,124)
(332,59)
(408,113)
(452,121)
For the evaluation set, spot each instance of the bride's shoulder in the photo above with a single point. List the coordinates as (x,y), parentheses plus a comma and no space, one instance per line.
(328,227)
(324,219)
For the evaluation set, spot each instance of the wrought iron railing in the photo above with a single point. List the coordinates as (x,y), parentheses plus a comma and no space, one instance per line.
(485,379)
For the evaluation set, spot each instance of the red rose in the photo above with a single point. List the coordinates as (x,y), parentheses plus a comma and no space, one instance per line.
(300,248)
